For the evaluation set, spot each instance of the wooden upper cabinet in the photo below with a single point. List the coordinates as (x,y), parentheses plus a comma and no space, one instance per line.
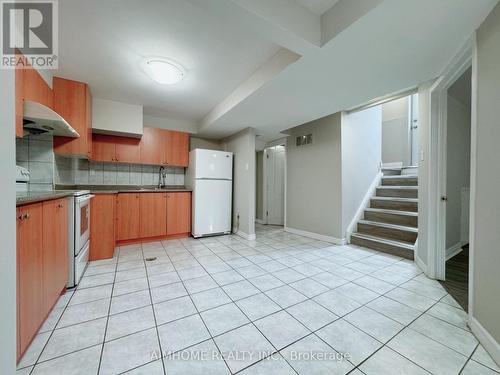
(30,85)
(102,226)
(103,147)
(153,214)
(127,216)
(35,88)
(128,150)
(178,213)
(177,149)
(153,146)
(164,147)
(19,77)
(73,102)
(29,278)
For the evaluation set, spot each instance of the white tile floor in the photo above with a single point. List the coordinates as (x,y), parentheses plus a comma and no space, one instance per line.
(283,304)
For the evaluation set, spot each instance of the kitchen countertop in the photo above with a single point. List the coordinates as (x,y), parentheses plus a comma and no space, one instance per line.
(40,196)
(62,191)
(114,189)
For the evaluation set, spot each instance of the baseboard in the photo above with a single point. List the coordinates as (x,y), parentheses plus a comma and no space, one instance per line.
(420,264)
(484,337)
(260,221)
(316,236)
(364,203)
(246,236)
(454,250)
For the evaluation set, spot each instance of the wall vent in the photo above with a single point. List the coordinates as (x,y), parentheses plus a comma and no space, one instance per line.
(303,140)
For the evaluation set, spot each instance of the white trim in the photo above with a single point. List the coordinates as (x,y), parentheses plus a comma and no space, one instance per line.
(436,244)
(420,264)
(364,203)
(455,250)
(473,177)
(264,187)
(316,236)
(489,343)
(246,236)
(259,221)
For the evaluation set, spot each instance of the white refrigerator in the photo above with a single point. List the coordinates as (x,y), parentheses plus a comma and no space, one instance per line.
(210,176)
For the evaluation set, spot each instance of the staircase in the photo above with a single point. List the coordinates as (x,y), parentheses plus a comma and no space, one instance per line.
(390,224)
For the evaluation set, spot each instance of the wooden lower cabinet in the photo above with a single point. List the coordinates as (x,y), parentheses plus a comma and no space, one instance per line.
(102,226)
(153,218)
(42,265)
(127,216)
(178,213)
(151,215)
(29,271)
(55,251)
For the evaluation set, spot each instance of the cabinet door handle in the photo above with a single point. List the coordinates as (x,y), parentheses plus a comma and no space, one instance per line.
(26,216)
(20,217)
(60,205)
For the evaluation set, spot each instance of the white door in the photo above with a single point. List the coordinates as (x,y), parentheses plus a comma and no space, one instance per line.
(211,207)
(212,164)
(275,181)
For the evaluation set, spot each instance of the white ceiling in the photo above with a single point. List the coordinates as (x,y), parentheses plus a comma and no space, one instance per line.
(361,51)
(317,6)
(395,46)
(103,42)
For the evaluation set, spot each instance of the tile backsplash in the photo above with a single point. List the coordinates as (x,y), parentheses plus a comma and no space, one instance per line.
(35,152)
(69,171)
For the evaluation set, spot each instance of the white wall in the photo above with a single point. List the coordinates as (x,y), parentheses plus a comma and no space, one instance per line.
(208,144)
(110,117)
(486,202)
(313,178)
(395,140)
(242,145)
(361,135)
(8,227)
(457,167)
(170,123)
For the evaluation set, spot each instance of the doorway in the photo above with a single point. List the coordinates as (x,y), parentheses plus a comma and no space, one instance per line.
(456,166)
(274,184)
(400,132)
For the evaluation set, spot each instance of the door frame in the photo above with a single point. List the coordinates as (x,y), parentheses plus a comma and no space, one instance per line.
(277,142)
(465,58)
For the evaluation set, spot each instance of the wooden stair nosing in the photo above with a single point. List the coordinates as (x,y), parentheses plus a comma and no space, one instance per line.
(392,212)
(393,247)
(389,226)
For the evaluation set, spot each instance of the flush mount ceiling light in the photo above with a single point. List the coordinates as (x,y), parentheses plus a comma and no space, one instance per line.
(164,71)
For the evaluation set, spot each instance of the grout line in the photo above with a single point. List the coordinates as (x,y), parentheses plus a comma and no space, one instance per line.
(107,321)
(154,316)
(199,315)
(291,251)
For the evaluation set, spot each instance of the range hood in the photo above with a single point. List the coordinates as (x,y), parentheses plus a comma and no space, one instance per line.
(39,119)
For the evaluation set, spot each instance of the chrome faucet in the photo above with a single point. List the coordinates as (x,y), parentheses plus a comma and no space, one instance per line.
(161,177)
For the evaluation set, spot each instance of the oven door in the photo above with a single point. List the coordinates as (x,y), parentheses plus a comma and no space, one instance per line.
(82,222)
(81,262)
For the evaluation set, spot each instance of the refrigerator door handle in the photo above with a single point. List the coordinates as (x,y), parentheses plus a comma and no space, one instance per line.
(214,179)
